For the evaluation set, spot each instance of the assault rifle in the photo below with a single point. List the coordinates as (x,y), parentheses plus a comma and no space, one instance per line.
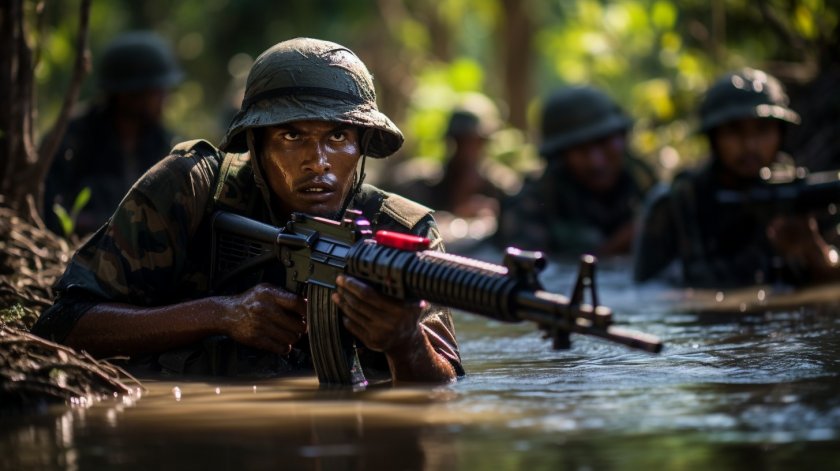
(791,190)
(313,251)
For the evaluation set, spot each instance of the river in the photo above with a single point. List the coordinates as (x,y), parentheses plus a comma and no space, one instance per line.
(737,390)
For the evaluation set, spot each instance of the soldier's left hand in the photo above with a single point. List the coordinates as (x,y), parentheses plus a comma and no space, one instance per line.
(380,322)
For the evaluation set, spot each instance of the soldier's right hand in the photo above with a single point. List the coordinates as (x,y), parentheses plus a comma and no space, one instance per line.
(265,317)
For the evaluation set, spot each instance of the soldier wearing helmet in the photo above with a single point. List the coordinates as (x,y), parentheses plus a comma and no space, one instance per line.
(120,135)
(141,285)
(586,199)
(743,115)
(467,185)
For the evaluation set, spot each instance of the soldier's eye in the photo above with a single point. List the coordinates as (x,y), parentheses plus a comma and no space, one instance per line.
(339,136)
(291,136)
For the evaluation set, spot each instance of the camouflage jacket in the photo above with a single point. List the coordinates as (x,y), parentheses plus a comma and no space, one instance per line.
(155,249)
(555,214)
(716,246)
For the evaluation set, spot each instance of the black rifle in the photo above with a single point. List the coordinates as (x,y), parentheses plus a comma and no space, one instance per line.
(314,250)
(787,191)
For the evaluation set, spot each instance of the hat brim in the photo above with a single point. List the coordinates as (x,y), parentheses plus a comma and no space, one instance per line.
(602,128)
(386,138)
(733,113)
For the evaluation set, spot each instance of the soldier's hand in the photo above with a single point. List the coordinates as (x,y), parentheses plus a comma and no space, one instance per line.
(266,317)
(379,321)
(794,236)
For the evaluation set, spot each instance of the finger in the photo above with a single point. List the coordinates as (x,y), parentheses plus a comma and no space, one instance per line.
(288,301)
(354,327)
(351,306)
(356,288)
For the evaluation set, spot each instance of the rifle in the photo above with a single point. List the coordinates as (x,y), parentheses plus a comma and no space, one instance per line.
(791,190)
(314,250)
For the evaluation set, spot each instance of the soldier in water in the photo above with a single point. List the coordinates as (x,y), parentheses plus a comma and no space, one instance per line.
(743,115)
(588,195)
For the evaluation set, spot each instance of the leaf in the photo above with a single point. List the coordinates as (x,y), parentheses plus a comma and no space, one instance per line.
(81,201)
(64,219)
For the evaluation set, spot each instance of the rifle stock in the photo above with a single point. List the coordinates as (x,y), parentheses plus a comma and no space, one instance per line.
(313,251)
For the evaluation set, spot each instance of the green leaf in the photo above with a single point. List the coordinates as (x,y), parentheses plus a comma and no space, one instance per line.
(81,201)
(64,219)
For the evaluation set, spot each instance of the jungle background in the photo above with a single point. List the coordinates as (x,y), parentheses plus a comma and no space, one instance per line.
(655,57)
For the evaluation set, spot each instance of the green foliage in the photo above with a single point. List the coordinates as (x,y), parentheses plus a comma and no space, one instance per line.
(655,57)
(68,220)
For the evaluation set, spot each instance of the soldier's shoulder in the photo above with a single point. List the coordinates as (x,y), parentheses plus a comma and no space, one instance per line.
(406,212)
(200,147)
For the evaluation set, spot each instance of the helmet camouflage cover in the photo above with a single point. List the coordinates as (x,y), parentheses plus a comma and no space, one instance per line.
(310,79)
(747,93)
(578,114)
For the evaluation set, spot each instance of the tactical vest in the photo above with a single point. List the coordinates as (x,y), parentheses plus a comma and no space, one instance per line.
(235,190)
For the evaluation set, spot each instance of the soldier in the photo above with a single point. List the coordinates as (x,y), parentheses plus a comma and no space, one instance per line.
(140,285)
(120,136)
(743,115)
(586,199)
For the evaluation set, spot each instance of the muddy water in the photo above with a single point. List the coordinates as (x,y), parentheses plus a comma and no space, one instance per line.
(731,390)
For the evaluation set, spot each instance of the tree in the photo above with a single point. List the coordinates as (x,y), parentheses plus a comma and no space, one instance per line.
(24,167)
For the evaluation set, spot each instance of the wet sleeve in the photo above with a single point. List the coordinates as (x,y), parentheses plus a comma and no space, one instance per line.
(436,320)
(137,256)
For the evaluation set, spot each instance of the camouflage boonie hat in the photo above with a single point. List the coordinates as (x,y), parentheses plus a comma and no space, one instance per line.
(578,114)
(310,79)
(747,93)
(138,60)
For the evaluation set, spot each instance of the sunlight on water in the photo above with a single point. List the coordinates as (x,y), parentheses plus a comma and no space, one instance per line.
(731,388)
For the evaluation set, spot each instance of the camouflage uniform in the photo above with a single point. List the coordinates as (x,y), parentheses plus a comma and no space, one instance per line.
(553,213)
(155,250)
(717,245)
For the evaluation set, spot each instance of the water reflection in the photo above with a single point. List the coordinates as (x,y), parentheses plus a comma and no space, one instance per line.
(732,390)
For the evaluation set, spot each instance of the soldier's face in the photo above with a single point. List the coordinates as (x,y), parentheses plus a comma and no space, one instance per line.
(596,165)
(745,146)
(309,165)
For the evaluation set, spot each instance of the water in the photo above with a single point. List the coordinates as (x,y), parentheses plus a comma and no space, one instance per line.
(730,391)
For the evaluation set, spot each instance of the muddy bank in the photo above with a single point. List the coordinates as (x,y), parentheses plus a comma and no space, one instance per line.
(34,371)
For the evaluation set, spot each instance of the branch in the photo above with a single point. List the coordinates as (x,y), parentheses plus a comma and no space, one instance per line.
(782,28)
(80,69)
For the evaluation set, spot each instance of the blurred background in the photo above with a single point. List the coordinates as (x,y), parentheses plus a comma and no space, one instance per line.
(655,57)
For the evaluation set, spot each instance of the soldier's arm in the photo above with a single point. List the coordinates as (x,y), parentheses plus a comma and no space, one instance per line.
(264,317)
(656,243)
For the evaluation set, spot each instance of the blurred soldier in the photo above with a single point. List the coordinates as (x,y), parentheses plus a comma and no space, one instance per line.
(743,115)
(586,199)
(461,185)
(119,136)
(465,191)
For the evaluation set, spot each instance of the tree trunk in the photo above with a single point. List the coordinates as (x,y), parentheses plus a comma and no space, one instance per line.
(517,34)
(23,169)
(17,141)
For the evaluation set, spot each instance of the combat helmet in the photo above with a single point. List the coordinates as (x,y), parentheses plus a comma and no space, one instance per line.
(474,114)
(578,114)
(311,79)
(747,93)
(138,60)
